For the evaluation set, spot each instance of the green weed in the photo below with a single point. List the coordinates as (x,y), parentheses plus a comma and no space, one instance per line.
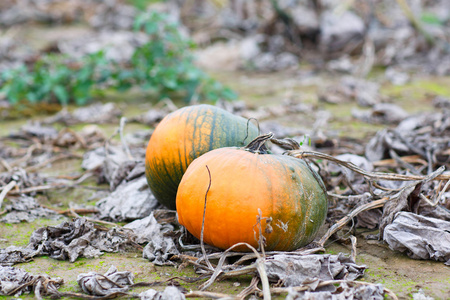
(164,67)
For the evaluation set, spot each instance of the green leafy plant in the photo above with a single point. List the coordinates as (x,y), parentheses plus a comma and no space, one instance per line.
(142,4)
(54,77)
(163,66)
(431,19)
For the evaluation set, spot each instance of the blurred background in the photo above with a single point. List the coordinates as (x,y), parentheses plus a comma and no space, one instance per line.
(67,51)
(345,66)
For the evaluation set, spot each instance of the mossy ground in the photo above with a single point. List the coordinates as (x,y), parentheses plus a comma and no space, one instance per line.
(396,271)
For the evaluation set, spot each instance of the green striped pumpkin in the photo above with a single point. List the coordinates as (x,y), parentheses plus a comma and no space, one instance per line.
(183,136)
(247,183)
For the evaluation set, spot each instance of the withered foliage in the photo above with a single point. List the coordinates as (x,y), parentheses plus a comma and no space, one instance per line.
(397,182)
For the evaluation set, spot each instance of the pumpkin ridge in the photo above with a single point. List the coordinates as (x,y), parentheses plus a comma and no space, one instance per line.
(185,145)
(212,135)
(282,242)
(242,182)
(307,209)
(195,127)
(165,167)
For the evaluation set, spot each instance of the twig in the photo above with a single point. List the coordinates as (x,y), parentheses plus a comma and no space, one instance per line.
(41,188)
(354,242)
(193,261)
(264,279)
(52,160)
(411,146)
(91,297)
(249,256)
(259,265)
(5,165)
(342,222)
(249,290)
(375,184)
(346,197)
(77,136)
(83,178)
(282,290)
(68,212)
(74,213)
(446,186)
(108,142)
(353,167)
(123,120)
(38,188)
(169,104)
(28,155)
(409,159)
(261,239)
(203,222)
(246,270)
(402,163)
(438,198)
(303,251)
(6,189)
(367,57)
(202,294)
(248,129)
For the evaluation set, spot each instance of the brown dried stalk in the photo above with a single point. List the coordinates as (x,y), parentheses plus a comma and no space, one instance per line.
(342,222)
(52,160)
(5,165)
(73,213)
(123,121)
(78,211)
(77,136)
(354,243)
(368,175)
(411,159)
(41,188)
(203,294)
(253,287)
(5,190)
(203,223)
(258,265)
(283,290)
(27,156)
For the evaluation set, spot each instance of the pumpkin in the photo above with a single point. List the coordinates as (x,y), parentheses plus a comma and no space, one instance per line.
(184,135)
(238,183)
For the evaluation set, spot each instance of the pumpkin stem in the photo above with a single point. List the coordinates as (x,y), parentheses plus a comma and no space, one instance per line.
(248,128)
(258,144)
(286,144)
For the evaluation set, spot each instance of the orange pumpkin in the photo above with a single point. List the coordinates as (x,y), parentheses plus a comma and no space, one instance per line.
(183,136)
(244,182)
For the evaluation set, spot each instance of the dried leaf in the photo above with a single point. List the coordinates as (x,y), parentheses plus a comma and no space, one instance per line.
(130,201)
(15,282)
(420,237)
(70,240)
(293,270)
(25,209)
(111,282)
(169,293)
